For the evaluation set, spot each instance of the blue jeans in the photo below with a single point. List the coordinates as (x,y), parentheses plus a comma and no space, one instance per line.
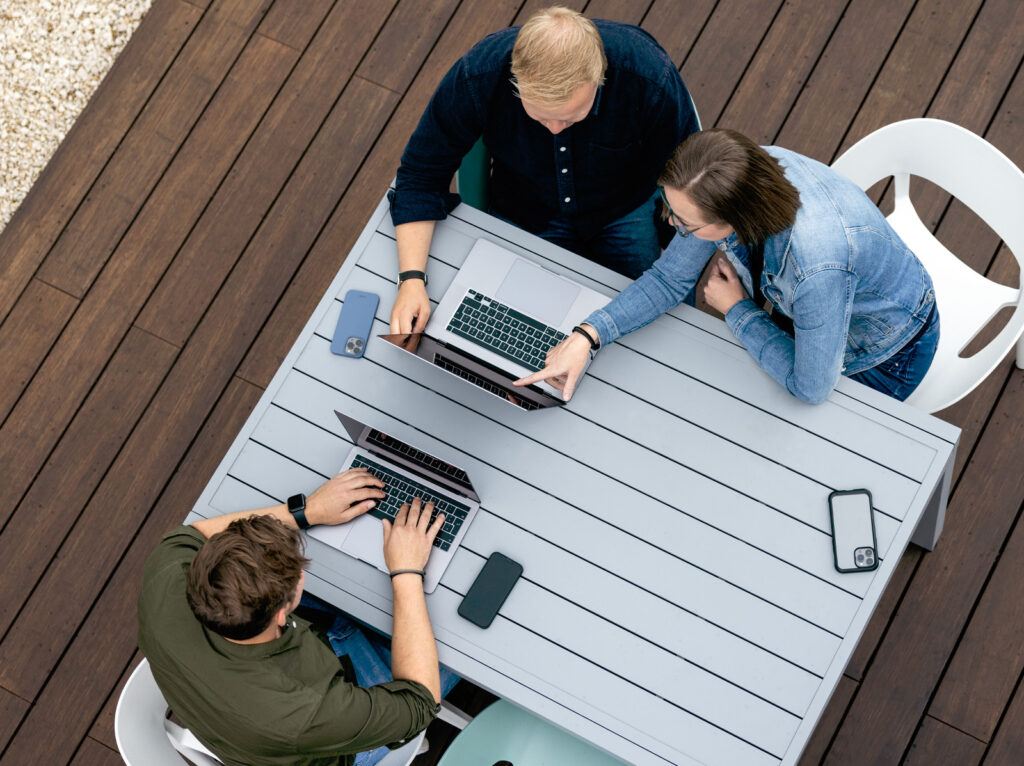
(371,658)
(628,245)
(902,372)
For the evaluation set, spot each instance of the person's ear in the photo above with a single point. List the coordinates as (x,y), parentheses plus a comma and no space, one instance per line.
(281,618)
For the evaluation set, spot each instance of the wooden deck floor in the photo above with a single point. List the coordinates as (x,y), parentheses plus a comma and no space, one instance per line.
(176,243)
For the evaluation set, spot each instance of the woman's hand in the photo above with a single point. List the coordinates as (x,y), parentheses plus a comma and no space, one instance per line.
(564,365)
(412,307)
(344,497)
(409,540)
(724,289)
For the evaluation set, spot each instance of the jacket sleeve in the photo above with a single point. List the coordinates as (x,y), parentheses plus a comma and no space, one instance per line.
(351,718)
(451,124)
(662,287)
(810,363)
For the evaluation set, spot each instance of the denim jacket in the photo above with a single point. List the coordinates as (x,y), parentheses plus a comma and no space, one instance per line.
(591,173)
(854,290)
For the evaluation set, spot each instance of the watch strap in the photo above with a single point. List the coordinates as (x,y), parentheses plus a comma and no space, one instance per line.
(297,508)
(404,275)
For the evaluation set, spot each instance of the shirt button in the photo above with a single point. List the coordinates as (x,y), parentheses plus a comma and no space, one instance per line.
(561,148)
(568,198)
(565,170)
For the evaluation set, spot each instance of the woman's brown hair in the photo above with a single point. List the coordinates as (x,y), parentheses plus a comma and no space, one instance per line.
(242,576)
(734,182)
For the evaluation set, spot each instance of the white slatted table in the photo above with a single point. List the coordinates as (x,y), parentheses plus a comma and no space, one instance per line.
(679,603)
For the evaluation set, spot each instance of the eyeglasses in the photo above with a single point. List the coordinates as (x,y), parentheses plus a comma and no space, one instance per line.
(674,219)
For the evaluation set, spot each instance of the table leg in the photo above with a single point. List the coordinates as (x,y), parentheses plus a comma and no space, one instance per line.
(929,527)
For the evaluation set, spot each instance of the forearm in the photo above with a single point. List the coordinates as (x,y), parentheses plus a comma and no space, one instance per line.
(210,527)
(413,649)
(414,245)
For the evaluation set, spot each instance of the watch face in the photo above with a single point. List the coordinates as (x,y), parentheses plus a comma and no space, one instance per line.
(296,502)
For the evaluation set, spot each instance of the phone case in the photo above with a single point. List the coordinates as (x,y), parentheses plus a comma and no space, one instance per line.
(490,589)
(353,329)
(865,560)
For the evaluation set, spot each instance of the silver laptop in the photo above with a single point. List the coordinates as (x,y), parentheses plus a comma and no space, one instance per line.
(504,312)
(407,472)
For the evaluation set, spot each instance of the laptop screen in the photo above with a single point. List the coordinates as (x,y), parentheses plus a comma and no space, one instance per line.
(473,370)
(415,460)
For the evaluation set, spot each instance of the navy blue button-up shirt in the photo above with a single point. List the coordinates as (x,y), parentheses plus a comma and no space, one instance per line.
(591,173)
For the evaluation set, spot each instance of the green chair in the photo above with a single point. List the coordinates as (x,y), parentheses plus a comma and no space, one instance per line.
(473,178)
(504,733)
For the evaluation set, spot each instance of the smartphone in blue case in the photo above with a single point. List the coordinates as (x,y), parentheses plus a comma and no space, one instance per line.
(354,324)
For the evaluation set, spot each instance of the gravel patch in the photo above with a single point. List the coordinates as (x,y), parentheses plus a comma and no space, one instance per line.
(53,54)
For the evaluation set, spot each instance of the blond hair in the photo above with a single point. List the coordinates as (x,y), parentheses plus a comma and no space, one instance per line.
(556,51)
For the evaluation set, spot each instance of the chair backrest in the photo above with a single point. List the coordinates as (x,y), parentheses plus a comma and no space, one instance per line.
(144,734)
(146,737)
(504,732)
(985,180)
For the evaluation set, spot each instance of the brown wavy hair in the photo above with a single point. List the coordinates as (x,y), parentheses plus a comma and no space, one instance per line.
(734,182)
(243,575)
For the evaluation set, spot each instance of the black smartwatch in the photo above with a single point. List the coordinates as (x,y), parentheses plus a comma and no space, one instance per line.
(297,508)
(404,275)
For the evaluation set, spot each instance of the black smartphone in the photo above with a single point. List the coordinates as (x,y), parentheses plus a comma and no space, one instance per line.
(490,589)
(354,323)
(853,531)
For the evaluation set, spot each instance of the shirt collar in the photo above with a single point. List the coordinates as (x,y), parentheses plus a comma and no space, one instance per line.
(597,101)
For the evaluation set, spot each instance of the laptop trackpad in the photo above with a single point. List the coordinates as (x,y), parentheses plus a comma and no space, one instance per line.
(537,292)
(366,541)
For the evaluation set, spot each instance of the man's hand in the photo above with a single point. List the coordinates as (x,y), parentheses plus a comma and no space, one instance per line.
(411,309)
(563,366)
(408,541)
(343,498)
(724,289)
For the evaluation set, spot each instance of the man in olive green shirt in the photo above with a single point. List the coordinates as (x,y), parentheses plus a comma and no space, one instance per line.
(249,678)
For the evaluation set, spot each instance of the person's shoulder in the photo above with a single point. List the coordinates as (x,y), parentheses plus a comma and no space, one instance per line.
(631,49)
(492,54)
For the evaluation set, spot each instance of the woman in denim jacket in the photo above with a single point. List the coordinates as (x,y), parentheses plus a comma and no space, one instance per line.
(859,301)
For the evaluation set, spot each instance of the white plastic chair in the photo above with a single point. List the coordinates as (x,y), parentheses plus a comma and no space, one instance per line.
(146,737)
(984,179)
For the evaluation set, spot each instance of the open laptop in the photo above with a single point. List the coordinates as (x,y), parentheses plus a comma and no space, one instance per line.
(407,472)
(502,313)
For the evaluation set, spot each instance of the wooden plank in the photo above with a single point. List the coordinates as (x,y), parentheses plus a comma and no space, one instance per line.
(970,95)
(294,24)
(189,391)
(938,743)
(87,147)
(103,727)
(85,452)
(900,681)
(987,663)
(624,11)
(781,66)
(842,77)
(1008,743)
(106,637)
(12,710)
(124,185)
(817,746)
(240,204)
(714,66)
(676,26)
(472,22)
(916,66)
(93,753)
(402,45)
(530,7)
(107,312)
(27,335)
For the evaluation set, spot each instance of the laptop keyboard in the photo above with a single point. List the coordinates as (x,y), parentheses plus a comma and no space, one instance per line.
(503,330)
(400,489)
